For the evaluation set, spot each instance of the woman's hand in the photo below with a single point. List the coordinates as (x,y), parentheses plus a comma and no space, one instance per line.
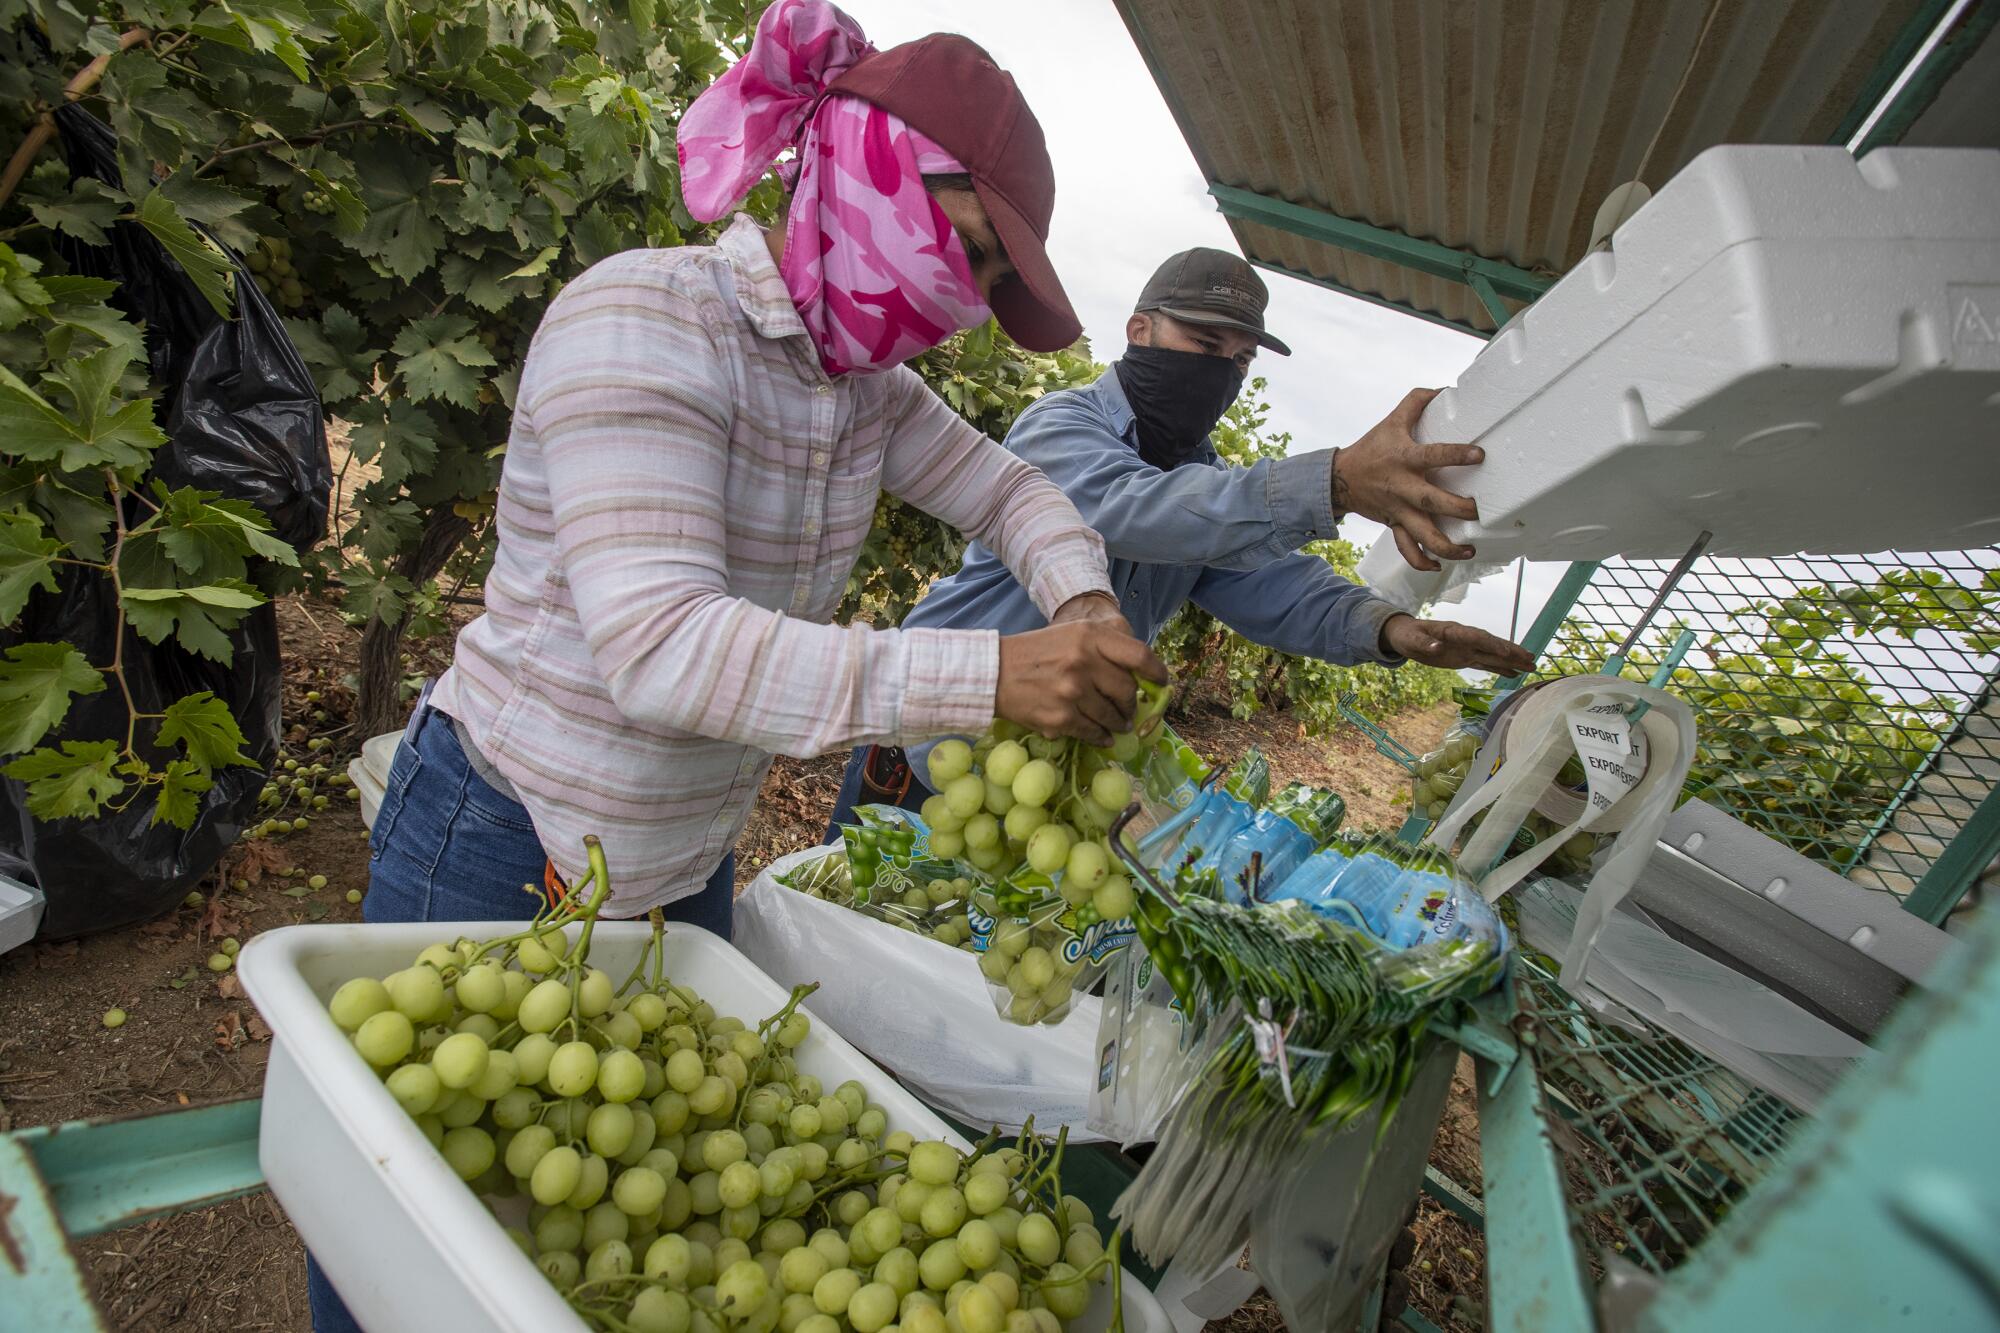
(1075,678)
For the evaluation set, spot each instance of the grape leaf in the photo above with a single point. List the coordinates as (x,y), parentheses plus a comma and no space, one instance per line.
(210,538)
(207,267)
(84,211)
(212,204)
(196,617)
(400,230)
(84,304)
(179,798)
(399,437)
(25,563)
(37,681)
(20,294)
(99,430)
(74,782)
(337,348)
(439,355)
(201,724)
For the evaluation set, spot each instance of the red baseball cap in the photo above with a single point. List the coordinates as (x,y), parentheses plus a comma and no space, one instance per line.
(950,89)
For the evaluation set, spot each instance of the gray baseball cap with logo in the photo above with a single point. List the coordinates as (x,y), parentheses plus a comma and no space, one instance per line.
(1214,287)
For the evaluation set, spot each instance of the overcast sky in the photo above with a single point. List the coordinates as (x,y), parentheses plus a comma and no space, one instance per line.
(1128,195)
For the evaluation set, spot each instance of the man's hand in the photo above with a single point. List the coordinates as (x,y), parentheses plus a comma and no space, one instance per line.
(1446,643)
(1075,677)
(1385,475)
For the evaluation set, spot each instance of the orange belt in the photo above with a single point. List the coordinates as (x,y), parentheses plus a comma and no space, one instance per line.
(553,887)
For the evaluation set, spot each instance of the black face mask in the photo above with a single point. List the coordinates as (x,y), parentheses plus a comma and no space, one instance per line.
(1176,397)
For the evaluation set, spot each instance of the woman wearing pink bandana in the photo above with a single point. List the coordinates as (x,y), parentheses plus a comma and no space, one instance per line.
(700,437)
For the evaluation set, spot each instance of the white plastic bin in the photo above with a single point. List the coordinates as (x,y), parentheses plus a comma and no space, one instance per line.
(1792,349)
(20,913)
(369,772)
(409,1247)
(951,1046)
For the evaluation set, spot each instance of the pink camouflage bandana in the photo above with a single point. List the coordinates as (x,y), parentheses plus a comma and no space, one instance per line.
(874,266)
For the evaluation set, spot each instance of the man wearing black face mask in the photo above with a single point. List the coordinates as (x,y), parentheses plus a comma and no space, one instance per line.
(1132,454)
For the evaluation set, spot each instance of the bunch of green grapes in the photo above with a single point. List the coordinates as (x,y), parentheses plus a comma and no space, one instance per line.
(1028,957)
(1014,800)
(686,1173)
(1440,774)
(935,909)
(270,263)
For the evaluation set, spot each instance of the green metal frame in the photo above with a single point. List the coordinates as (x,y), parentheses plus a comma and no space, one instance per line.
(1954,872)
(1490,279)
(1335,285)
(1916,96)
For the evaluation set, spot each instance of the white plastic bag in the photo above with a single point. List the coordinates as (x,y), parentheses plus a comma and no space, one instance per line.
(920,1009)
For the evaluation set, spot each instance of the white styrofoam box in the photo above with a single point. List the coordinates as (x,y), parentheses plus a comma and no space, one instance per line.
(20,913)
(407,1245)
(369,772)
(1792,349)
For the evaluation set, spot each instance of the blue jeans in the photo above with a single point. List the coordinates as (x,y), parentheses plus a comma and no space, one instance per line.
(854,791)
(447,846)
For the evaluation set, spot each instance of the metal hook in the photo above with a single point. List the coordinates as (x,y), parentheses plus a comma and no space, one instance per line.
(1131,858)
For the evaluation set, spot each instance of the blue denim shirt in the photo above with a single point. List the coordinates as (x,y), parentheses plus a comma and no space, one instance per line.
(1226,538)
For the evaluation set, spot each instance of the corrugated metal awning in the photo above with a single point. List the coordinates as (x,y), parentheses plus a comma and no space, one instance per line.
(1342,135)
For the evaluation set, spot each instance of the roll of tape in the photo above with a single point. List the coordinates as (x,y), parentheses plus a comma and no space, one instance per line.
(1563,805)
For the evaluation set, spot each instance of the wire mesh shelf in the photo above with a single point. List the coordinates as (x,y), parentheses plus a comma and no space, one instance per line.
(1845,705)
(1657,1140)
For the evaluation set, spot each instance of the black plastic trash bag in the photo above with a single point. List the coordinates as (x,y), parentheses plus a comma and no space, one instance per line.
(242,417)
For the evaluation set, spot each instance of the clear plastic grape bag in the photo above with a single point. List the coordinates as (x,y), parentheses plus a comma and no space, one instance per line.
(880,847)
(824,877)
(1033,961)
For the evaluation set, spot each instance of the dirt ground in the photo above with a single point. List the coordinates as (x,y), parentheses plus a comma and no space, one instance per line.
(192,1038)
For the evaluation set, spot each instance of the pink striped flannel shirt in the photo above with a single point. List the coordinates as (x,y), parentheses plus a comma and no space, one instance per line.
(683,499)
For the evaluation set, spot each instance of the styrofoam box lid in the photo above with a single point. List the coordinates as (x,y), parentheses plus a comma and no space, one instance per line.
(408,1246)
(1795,350)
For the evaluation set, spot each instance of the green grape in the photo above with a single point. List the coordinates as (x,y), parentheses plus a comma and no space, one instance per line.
(531,1058)
(529,1145)
(573,1069)
(561,1228)
(1048,849)
(385,1038)
(545,1006)
(897,1268)
(986,1192)
(416,1089)
(416,992)
(357,1001)
(933,1162)
(1023,820)
(659,1310)
(1037,1240)
(1087,864)
(965,795)
(738,1185)
(593,1177)
(499,1078)
(1114,899)
(982,831)
(947,846)
(943,1212)
(670,1257)
(556,1176)
(621,1075)
(949,761)
(940,1265)
(999,799)
(535,956)
(612,1259)
(832,1293)
(460,1060)
(595,993)
(1005,762)
(469,1149)
(1036,783)
(609,1129)
(481,988)
(1111,788)
(872,1307)
(1066,1293)
(741,1288)
(648,1010)
(1005,1287)
(937,813)
(979,1312)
